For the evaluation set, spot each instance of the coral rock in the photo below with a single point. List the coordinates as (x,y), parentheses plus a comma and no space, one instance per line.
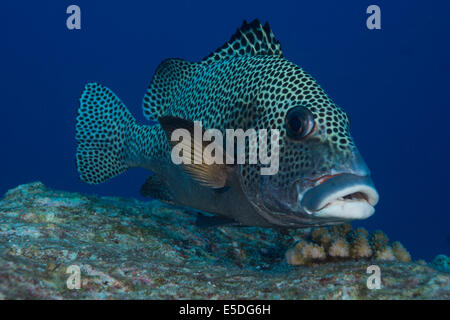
(360,248)
(400,252)
(385,254)
(378,240)
(305,253)
(442,263)
(321,236)
(130,249)
(339,248)
(341,242)
(342,229)
(313,251)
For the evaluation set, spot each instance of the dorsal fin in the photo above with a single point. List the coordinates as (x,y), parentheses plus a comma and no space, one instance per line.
(172,75)
(169,79)
(250,39)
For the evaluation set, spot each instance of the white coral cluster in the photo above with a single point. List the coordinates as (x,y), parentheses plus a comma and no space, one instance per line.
(400,252)
(341,242)
(305,252)
(360,248)
(385,254)
(339,248)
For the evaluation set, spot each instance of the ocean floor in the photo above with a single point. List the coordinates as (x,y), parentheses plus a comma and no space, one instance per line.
(128,249)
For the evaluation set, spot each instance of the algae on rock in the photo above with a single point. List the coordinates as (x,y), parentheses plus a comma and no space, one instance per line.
(129,249)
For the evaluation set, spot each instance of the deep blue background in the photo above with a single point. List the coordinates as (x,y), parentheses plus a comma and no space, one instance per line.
(394,83)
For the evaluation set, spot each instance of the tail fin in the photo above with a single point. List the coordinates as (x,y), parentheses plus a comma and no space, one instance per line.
(103,131)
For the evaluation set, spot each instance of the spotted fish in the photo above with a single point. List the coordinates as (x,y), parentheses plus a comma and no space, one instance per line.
(246,83)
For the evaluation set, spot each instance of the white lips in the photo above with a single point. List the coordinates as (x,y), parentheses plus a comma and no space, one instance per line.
(358,207)
(346,210)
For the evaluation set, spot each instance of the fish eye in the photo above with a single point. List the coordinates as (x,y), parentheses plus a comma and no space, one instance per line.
(299,122)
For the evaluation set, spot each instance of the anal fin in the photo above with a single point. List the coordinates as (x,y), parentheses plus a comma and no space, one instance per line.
(156,188)
(204,221)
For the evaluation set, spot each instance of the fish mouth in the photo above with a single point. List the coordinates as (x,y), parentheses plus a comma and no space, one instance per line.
(344,196)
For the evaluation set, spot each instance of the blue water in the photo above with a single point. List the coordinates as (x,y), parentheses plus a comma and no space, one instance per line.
(394,83)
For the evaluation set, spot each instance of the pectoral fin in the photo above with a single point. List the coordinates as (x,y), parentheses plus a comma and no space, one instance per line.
(207,172)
